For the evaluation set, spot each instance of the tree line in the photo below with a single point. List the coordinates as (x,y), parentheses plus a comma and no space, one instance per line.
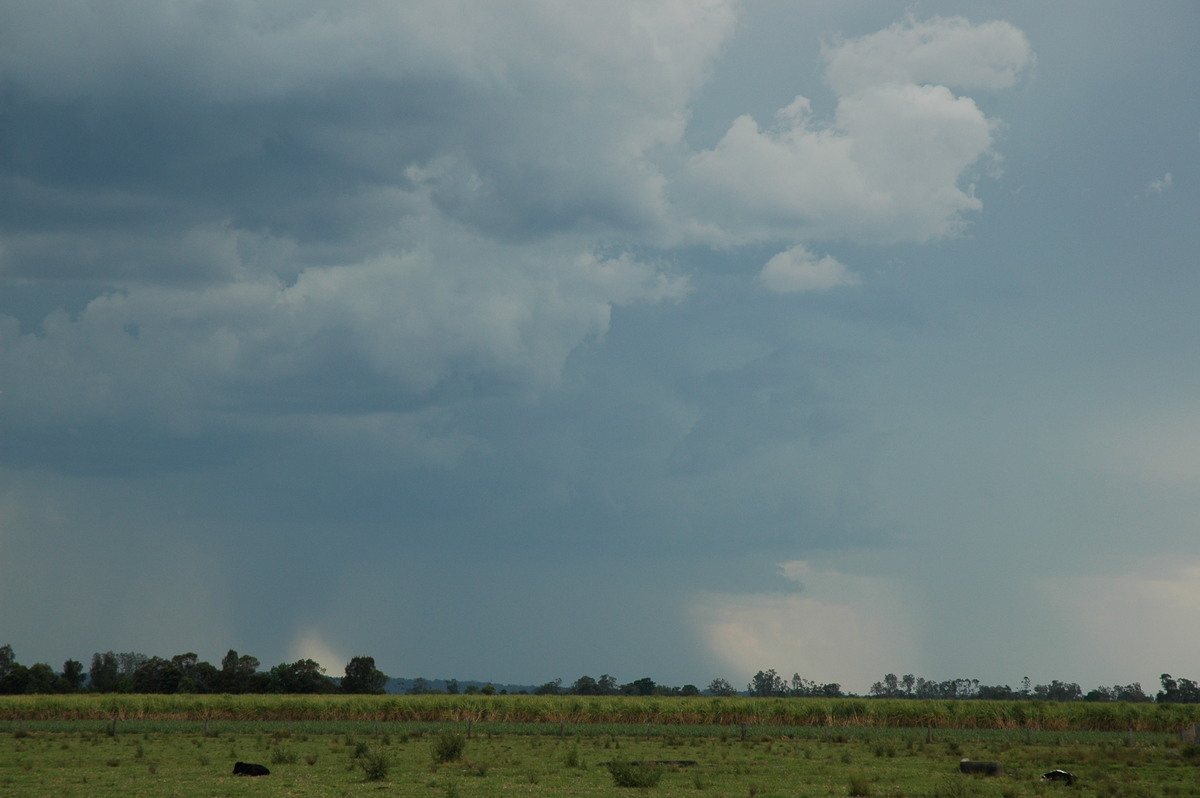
(131,672)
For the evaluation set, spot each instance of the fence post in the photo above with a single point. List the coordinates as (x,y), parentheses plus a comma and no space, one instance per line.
(743,732)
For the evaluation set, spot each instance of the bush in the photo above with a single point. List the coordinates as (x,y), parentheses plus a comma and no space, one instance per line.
(375,767)
(632,774)
(860,785)
(282,757)
(448,747)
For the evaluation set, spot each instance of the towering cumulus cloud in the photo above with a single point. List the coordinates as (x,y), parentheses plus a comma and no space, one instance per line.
(893,164)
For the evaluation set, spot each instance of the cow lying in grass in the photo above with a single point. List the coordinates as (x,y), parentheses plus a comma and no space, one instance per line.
(1059,775)
(986,768)
(249,769)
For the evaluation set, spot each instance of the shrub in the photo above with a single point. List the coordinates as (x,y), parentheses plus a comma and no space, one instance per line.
(282,757)
(448,747)
(571,759)
(375,767)
(633,774)
(860,785)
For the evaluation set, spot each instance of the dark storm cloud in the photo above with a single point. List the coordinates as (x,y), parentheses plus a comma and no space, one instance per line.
(669,339)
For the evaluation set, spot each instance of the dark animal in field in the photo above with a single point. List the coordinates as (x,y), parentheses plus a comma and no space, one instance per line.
(249,769)
(1059,775)
(986,768)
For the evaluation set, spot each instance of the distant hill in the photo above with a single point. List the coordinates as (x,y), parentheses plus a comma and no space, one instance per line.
(400,686)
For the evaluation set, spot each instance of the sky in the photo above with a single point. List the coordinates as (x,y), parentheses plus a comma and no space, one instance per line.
(524,340)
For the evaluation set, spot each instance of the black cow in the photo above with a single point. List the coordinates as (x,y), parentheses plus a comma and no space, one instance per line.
(249,769)
(1059,775)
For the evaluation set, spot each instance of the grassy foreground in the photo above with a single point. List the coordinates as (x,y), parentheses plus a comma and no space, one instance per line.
(877,763)
(531,746)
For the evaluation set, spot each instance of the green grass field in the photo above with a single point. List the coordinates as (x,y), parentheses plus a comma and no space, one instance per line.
(318,752)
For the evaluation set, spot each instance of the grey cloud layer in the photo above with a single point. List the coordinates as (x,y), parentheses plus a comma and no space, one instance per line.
(401,197)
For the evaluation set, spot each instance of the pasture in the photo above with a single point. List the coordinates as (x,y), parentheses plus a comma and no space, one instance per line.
(315,751)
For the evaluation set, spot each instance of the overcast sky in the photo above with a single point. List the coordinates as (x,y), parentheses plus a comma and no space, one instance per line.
(528,339)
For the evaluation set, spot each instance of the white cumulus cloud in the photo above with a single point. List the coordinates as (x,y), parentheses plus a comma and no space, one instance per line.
(891,165)
(797,269)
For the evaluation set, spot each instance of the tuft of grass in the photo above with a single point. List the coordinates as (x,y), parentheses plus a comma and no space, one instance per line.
(859,785)
(448,747)
(628,774)
(284,757)
(571,759)
(376,767)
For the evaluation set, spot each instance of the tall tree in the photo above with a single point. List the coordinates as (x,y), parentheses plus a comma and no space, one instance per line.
(72,674)
(363,677)
(7,659)
(301,676)
(766,683)
(721,687)
(104,672)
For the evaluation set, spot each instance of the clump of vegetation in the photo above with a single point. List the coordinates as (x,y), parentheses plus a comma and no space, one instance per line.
(376,767)
(571,759)
(283,757)
(634,774)
(859,785)
(448,747)
(953,787)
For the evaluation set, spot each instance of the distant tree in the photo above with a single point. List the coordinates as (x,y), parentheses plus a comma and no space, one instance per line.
(721,687)
(1177,691)
(103,674)
(239,674)
(766,683)
(803,688)
(7,659)
(128,663)
(452,686)
(550,688)
(585,685)
(642,686)
(607,685)
(15,681)
(1131,693)
(43,679)
(301,676)
(419,686)
(996,693)
(363,677)
(1058,691)
(72,674)
(689,690)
